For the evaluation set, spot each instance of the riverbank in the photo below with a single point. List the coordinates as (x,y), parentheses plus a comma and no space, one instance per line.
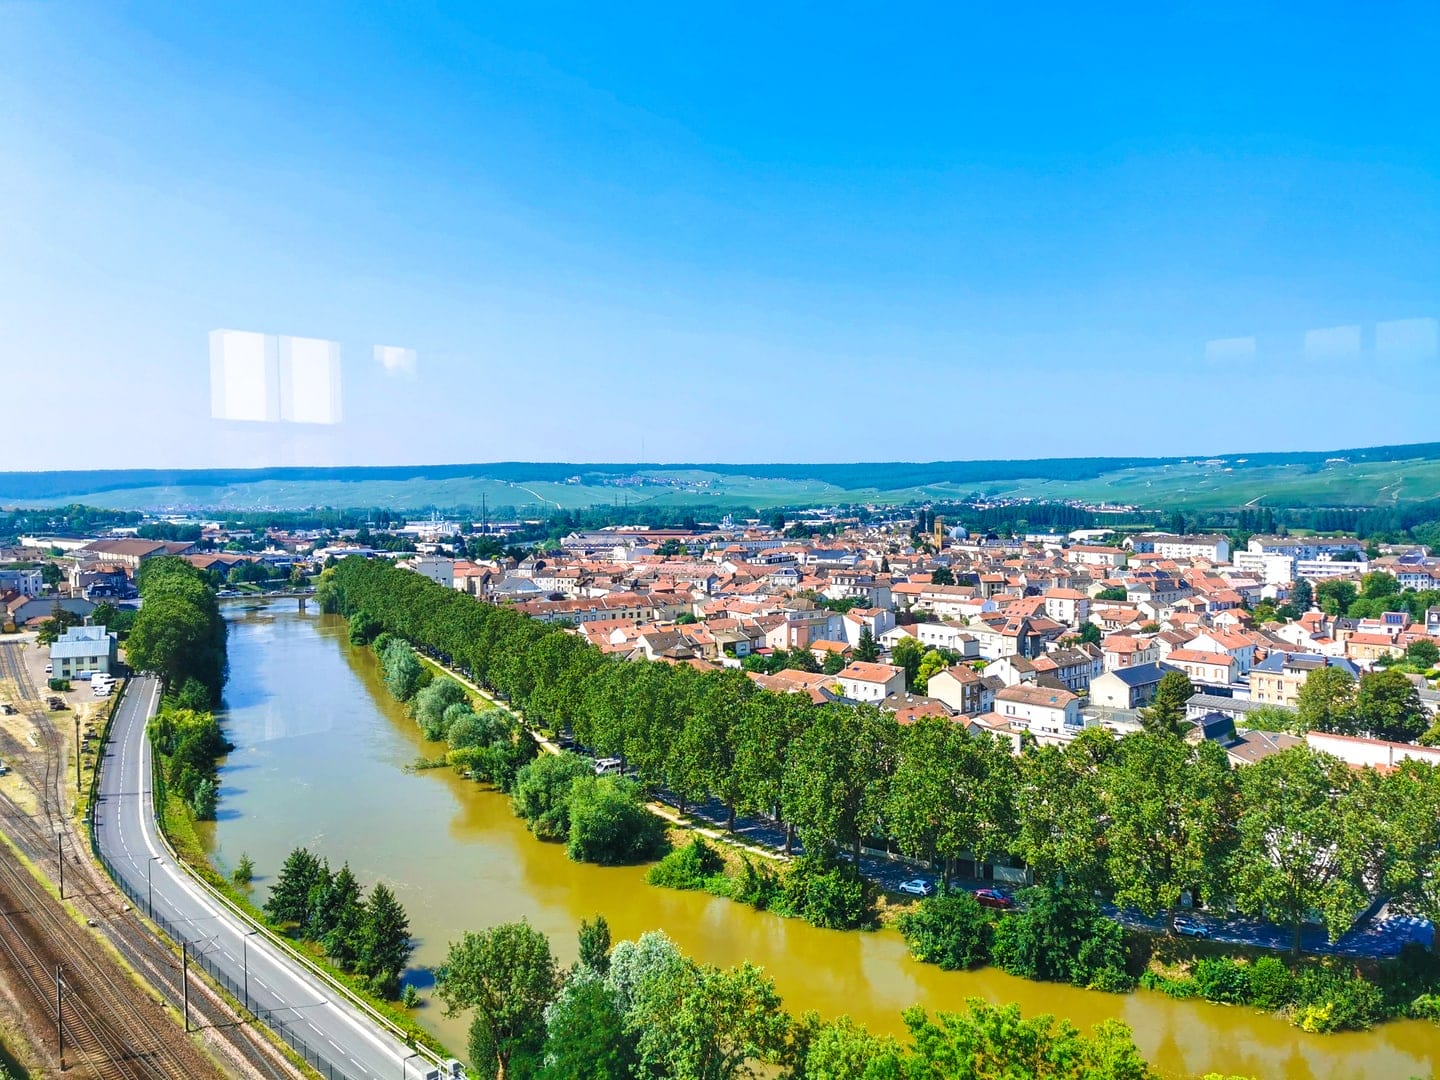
(321,760)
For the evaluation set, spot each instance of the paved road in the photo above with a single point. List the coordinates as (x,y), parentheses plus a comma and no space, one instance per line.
(127,835)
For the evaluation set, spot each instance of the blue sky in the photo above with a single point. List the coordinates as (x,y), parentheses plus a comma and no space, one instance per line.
(821,233)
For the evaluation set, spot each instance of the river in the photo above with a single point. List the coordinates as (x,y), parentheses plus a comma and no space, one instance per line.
(320,755)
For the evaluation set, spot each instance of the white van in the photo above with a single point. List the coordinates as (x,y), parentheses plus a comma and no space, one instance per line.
(607,766)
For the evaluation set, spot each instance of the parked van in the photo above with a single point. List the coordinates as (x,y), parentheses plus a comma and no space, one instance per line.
(607,766)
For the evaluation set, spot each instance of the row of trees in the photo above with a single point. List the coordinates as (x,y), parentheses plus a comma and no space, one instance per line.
(1382,704)
(367,936)
(1147,818)
(187,745)
(644,1009)
(179,632)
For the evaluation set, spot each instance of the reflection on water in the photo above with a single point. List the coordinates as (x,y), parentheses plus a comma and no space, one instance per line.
(319,760)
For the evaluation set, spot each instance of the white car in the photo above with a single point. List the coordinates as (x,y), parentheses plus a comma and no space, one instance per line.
(917,887)
(606,766)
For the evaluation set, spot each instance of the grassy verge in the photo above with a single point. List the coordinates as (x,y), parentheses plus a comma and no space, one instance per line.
(179,825)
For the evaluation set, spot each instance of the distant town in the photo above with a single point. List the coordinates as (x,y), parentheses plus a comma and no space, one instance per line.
(1032,637)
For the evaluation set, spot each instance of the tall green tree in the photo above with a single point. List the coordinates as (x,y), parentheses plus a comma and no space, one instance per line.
(867,649)
(290,895)
(952,794)
(1170,809)
(1061,832)
(507,976)
(1302,845)
(585,1034)
(595,945)
(836,774)
(1387,705)
(1165,715)
(384,943)
(1326,701)
(346,921)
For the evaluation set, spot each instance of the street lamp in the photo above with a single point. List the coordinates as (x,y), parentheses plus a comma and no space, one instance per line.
(149,886)
(405,1065)
(245,963)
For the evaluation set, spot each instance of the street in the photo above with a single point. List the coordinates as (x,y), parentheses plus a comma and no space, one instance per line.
(333,1033)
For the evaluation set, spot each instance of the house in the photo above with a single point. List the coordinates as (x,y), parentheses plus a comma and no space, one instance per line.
(130,552)
(83,649)
(1249,747)
(956,639)
(1240,647)
(1214,668)
(1237,709)
(1213,727)
(1072,667)
(1049,715)
(1070,607)
(962,690)
(862,681)
(441,571)
(1126,650)
(1129,687)
(27,581)
(1211,548)
(1111,558)
(1277,679)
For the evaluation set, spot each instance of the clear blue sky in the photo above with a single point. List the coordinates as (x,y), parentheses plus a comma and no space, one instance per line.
(740,234)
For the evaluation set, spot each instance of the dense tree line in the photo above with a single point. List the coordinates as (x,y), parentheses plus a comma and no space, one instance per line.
(179,632)
(368,936)
(645,1010)
(1148,818)
(187,744)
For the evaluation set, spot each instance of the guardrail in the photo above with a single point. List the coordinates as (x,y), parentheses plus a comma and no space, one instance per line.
(312,1057)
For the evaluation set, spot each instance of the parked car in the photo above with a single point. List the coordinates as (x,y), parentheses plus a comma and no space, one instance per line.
(605,766)
(917,887)
(1188,927)
(993,898)
(49,669)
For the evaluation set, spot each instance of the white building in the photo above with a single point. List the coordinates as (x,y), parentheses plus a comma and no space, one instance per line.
(83,649)
(861,681)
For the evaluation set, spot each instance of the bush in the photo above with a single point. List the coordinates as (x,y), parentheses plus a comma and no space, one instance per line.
(1060,936)
(1271,984)
(1222,979)
(410,997)
(542,793)
(431,703)
(688,867)
(609,824)
(950,929)
(829,893)
(758,885)
(1330,1000)
(59,684)
(363,628)
(1171,987)
(244,871)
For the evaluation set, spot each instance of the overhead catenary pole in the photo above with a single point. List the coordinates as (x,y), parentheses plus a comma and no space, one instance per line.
(185,981)
(59,1019)
(60,856)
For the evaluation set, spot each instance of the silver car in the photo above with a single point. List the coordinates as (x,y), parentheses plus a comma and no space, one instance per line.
(917,887)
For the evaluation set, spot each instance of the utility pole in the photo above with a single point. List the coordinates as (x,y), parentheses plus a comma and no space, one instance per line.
(60,854)
(59,1019)
(185,980)
(77,755)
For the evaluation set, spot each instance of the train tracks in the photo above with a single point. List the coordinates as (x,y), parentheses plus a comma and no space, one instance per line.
(112,1028)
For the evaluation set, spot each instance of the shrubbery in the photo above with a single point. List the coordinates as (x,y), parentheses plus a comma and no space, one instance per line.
(609,823)
(694,866)
(828,892)
(950,929)
(1060,936)
(187,744)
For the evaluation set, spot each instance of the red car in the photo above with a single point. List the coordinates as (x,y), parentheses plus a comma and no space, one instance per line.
(993,898)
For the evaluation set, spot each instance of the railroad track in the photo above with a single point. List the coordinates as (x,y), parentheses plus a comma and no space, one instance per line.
(111,1029)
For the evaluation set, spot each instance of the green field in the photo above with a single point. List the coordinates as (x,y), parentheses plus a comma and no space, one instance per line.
(1185,485)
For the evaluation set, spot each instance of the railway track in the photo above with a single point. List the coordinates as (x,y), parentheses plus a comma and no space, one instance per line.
(114,1033)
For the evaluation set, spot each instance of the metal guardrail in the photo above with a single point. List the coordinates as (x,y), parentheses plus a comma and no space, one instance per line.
(312,1056)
